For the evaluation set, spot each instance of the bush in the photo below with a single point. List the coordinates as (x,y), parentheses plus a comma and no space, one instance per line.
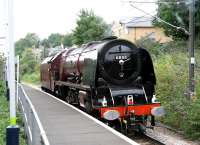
(191,125)
(152,46)
(171,68)
(4,118)
(33,78)
(171,86)
(29,67)
(2,88)
(28,62)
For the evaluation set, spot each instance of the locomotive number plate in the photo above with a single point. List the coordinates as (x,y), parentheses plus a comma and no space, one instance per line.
(119,57)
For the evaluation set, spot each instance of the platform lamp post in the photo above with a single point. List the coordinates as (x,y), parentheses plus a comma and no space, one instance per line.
(12,131)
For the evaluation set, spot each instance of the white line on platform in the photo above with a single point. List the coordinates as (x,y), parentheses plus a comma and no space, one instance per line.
(42,132)
(125,138)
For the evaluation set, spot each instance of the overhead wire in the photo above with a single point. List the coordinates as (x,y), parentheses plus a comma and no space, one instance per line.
(161,20)
(136,19)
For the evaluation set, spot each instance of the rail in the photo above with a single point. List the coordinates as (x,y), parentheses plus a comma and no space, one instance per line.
(33,127)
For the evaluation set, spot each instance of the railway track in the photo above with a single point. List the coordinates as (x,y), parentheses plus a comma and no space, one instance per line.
(146,140)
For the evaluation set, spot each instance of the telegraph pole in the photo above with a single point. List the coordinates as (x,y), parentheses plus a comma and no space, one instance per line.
(191,49)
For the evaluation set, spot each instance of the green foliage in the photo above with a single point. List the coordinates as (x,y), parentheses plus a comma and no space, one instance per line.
(177,14)
(33,78)
(45,43)
(171,75)
(29,67)
(2,88)
(55,39)
(192,123)
(67,40)
(4,114)
(156,49)
(28,62)
(31,40)
(171,68)
(89,28)
(4,118)
(152,46)
(2,63)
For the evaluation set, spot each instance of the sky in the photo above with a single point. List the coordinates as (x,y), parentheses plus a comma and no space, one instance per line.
(44,17)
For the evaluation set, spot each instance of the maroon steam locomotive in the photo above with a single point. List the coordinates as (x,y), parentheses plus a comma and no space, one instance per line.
(112,79)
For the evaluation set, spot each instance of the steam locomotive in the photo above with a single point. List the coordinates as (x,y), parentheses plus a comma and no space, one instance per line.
(111,78)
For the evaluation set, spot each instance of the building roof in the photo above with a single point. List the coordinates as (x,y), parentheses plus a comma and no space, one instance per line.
(137,22)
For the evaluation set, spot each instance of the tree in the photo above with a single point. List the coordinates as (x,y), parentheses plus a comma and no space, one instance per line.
(55,39)
(67,40)
(31,40)
(89,28)
(45,43)
(2,65)
(28,62)
(177,14)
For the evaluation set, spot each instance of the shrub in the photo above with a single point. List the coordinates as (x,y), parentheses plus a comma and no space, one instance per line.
(33,78)
(171,68)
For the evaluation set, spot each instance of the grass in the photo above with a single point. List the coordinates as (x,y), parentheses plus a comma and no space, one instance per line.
(33,78)
(4,118)
(172,84)
(171,64)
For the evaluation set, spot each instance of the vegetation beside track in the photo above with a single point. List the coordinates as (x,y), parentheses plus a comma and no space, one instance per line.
(171,68)
(33,78)
(4,118)
(29,67)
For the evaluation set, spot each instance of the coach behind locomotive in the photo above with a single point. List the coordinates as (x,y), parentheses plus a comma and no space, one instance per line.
(111,77)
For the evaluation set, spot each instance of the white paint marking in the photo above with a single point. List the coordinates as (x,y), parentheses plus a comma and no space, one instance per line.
(42,132)
(30,133)
(125,138)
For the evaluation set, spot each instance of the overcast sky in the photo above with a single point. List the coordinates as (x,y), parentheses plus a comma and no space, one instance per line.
(59,16)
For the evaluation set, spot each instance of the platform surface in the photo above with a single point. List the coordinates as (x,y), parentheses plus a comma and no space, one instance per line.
(65,126)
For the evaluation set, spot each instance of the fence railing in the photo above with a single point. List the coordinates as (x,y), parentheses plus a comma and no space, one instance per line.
(33,127)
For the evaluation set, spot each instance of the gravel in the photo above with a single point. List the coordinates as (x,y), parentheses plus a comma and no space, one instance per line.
(169,137)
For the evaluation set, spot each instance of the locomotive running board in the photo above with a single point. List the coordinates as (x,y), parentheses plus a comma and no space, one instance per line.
(78,86)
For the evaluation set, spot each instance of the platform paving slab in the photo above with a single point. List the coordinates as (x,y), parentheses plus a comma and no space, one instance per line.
(65,126)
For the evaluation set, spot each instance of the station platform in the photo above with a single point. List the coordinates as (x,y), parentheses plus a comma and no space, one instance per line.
(66,125)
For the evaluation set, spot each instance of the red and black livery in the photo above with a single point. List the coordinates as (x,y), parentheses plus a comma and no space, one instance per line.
(112,78)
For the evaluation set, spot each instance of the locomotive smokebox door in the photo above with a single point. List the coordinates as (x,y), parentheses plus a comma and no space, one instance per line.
(119,61)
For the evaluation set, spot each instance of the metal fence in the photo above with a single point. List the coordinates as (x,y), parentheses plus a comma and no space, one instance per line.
(33,127)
